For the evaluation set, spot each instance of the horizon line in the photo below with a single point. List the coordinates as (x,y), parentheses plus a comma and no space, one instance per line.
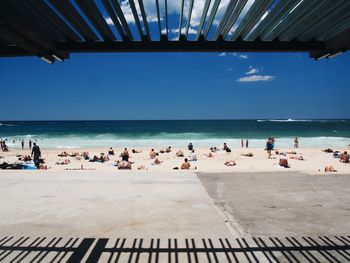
(250,119)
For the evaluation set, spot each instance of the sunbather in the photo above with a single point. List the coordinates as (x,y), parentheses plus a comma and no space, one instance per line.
(329,168)
(230,163)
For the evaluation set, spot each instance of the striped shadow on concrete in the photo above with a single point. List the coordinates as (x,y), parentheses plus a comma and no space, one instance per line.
(273,249)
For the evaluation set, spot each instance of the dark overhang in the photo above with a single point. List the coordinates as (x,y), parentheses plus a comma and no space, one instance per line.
(52,29)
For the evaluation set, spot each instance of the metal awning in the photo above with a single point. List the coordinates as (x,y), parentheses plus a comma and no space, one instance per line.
(52,29)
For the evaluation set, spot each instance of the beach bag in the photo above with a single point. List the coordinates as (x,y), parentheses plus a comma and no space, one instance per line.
(283,162)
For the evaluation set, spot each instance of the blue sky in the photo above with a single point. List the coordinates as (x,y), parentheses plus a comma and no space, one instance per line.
(175,85)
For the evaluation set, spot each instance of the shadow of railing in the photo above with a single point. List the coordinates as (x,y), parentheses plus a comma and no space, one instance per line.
(273,249)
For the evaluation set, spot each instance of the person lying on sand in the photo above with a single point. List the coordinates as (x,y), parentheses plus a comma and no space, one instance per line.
(73,154)
(329,168)
(135,151)
(63,154)
(292,152)
(210,155)
(124,165)
(185,165)
(104,158)
(141,167)
(66,161)
(25,158)
(247,154)
(280,153)
(156,161)
(328,150)
(179,153)
(230,163)
(300,158)
(344,157)
(43,167)
(85,155)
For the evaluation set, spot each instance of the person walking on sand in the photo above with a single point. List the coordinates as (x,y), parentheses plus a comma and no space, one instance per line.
(22,144)
(242,144)
(30,144)
(269,147)
(246,143)
(296,143)
(36,154)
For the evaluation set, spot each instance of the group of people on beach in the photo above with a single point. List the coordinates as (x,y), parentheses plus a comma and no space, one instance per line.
(125,163)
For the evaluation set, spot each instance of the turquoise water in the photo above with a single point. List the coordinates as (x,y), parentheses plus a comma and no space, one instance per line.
(203,133)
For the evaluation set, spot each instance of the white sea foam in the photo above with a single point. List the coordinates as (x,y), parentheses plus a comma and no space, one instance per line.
(174,140)
(298,120)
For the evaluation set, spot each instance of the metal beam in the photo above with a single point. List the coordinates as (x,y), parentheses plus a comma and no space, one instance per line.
(225,18)
(214,9)
(326,22)
(192,46)
(67,10)
(203,17)
(181,17)
(122,19)
(158,16)
(312,17)
(52,18)
(189,18)
(233,17)
(96,18)
(136,17)
(340,42)
(296,14)
(281,9)
(22,43)
(17,18)
(144,19)
(332,32)
(255,12)
(114,18)
(166,18)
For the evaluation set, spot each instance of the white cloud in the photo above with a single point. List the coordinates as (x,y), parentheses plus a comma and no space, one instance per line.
(241,56)
(252,71)
(183,30)
(255,78)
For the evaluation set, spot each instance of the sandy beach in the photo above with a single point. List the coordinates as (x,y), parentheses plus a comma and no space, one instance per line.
(314,161)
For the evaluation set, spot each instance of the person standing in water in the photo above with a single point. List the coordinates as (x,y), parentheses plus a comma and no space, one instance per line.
(22,144)
(246,143)
(242,144)
(30,144)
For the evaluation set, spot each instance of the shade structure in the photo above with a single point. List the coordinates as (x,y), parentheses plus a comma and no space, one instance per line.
(53,29)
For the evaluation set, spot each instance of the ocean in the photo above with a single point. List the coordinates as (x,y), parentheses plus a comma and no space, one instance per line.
(176,133)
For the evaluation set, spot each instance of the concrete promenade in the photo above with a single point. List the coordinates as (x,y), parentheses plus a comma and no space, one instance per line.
(87,216)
